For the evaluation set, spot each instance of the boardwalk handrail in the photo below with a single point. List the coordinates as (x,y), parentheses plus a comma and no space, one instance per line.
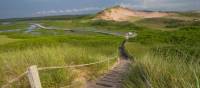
(53,67)
(73,66)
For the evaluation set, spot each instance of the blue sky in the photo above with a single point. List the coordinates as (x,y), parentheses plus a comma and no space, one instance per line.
(29,8)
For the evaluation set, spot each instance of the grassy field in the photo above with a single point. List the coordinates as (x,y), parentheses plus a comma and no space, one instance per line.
(20,50)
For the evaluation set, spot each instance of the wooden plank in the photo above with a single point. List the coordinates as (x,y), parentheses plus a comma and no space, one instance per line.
(33,77)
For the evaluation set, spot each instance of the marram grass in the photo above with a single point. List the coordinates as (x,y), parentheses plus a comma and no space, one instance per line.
(15,62)
(158,71)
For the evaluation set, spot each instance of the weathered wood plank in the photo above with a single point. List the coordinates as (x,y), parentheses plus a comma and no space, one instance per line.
(33,77)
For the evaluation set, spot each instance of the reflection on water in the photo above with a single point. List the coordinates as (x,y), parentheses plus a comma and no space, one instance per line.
(31,28)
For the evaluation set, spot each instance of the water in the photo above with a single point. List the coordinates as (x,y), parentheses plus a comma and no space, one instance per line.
(31,28)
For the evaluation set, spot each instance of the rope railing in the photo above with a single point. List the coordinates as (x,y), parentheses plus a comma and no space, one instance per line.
(9,83)
(14,80)
(73,66)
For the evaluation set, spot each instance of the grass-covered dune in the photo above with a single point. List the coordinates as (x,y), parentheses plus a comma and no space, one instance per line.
(165,59)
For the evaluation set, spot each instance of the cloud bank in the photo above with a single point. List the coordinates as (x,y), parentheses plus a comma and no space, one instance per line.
(169,5)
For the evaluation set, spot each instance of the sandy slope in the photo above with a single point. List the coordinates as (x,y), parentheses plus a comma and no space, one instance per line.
(124,14)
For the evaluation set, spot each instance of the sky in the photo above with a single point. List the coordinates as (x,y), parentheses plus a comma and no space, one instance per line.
(32,8)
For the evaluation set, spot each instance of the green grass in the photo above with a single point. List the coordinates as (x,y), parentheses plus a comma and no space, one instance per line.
(17,25)
(57,51)
(55,56)
(161,72)
(165,59)
(5,40)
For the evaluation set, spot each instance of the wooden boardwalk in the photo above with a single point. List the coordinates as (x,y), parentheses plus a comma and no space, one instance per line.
(114,78)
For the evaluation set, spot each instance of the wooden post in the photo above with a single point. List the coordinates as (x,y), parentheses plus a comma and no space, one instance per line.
(33,77)
(118,60)
(108,63)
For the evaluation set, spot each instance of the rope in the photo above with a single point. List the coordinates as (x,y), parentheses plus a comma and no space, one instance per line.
(72,66)
(14,80)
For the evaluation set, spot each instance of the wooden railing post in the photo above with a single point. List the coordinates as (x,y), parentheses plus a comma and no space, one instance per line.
(33,77)
(108,64)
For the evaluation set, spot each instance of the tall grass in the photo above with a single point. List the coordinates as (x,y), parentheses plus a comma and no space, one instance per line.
(56,51)
(159,71)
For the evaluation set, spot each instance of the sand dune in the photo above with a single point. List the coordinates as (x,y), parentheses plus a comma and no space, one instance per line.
(123,14)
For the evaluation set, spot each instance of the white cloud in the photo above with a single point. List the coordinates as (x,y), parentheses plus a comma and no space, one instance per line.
(61,11)
(129,5)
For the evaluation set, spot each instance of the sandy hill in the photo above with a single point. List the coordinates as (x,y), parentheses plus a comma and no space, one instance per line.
(118,13)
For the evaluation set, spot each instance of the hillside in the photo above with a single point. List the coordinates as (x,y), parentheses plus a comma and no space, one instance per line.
(123,14)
